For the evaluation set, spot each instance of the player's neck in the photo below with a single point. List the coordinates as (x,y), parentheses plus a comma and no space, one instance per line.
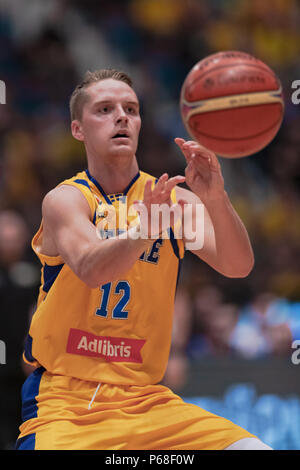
(114,177)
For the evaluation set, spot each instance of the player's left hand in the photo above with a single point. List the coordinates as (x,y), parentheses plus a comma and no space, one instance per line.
(203,171)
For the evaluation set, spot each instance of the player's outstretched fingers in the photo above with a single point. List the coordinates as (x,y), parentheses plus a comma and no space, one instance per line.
(202,156)
(164,195)
(190,147)
(180,142)
(148,192)
(159,189)
(161,183)
(208,159)
(171,183)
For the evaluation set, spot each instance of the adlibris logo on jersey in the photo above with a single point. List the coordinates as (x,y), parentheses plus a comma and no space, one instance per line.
(112,349)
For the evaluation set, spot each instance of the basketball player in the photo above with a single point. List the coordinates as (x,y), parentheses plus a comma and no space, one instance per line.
(101,334)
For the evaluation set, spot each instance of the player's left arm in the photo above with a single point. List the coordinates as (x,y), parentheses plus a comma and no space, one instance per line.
(226,246)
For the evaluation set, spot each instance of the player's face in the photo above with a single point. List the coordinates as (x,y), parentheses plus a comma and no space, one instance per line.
(111,122)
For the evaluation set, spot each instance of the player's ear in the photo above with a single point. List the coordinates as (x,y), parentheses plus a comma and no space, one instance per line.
(77,130)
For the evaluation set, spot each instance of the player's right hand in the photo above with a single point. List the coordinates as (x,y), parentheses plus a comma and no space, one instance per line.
(156,199)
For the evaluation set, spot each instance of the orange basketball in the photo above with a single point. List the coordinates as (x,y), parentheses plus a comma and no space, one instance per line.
(232,104)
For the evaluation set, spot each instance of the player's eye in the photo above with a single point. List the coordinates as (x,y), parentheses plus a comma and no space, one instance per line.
(104,109)
(131,110)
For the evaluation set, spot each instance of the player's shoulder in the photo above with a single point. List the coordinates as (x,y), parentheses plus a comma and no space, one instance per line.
(64,197)
(79,178)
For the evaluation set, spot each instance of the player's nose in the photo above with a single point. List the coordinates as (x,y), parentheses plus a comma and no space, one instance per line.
(121,115)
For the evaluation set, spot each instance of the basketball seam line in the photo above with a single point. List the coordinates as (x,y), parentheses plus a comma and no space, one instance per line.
(270,72)
(198,103)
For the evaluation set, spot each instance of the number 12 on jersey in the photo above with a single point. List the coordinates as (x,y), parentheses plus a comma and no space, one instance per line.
(117,312)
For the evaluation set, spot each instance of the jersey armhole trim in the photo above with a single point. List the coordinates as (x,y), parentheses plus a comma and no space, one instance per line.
(50,260)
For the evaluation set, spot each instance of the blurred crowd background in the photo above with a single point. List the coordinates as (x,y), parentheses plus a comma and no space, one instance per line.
(45,48)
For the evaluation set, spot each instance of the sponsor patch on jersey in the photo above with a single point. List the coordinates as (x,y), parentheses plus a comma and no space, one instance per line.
(110,348)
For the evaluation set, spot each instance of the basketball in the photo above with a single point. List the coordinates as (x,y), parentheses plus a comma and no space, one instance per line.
(232,104)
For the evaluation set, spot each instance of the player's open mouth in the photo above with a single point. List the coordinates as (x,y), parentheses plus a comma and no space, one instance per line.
(121,135)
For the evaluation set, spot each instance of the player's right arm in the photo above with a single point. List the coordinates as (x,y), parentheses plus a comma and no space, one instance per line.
(69,232)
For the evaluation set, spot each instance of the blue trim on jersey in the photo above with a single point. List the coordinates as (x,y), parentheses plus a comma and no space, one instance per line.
(98,185)
(83,182)
(178,273)
(90,177)
(28,349)
(131,183)
(30,391)
(174,243)
(26,442)
(50,274)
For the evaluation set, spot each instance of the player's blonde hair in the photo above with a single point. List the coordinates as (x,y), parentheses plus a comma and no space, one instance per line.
(80,96)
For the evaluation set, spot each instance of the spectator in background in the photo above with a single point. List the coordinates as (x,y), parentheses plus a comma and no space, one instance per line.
(213,324)
(19,280)
(264,328)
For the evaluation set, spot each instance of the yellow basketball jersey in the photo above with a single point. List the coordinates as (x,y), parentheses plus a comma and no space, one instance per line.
(119,333)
